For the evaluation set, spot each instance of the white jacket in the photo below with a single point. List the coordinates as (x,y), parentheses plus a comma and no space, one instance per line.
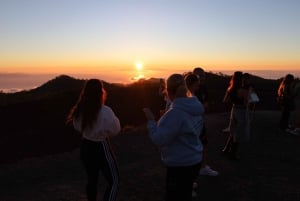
(106,125)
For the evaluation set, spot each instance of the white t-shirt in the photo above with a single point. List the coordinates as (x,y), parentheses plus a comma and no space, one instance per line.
(106,125)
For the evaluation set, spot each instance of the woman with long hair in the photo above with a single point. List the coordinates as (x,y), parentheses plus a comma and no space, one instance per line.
(238,96)
(96,122)
(285,98)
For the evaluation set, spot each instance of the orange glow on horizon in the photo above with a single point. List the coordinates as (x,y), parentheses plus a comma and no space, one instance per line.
(119,67)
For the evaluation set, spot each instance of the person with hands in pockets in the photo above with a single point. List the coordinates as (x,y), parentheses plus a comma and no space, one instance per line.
(177,135)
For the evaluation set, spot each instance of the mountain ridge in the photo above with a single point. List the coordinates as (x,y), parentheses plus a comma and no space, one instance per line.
(34,120)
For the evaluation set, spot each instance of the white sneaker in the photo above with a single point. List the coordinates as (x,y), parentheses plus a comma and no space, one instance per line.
(208,171)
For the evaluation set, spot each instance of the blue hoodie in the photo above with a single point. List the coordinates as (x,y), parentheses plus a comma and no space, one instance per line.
(177,132)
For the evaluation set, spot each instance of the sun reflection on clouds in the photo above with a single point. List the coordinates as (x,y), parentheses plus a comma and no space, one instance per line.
(138,77)
(139,71)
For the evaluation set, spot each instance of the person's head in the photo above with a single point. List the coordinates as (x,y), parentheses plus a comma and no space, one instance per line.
(91,98)
(288,79)
(176,86)
(286,82)
(200,73)
(93,91)
(236,80)
(192,82)
(246,76)
(246,79)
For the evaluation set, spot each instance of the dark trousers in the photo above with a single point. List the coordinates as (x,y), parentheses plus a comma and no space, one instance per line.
(96,157)
(179,182)
(285,115)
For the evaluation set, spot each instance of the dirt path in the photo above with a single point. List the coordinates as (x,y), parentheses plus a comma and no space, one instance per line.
(269,169)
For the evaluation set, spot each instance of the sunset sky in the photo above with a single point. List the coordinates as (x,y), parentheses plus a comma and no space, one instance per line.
(124,39)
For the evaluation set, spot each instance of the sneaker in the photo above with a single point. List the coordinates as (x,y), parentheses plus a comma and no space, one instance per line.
(194,194)
(208,171)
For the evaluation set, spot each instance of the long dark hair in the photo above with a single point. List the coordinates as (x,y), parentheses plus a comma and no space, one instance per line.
(89,103)
(285,84)
(236,81)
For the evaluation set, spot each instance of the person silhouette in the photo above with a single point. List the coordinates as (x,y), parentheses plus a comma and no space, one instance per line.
(252,101)
(177,135)
(97,123)
(285,99)
(162,91)
(202,94)
(239,98)
(296,130)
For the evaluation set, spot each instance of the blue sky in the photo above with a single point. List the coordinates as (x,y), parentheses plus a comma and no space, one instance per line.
(71,35)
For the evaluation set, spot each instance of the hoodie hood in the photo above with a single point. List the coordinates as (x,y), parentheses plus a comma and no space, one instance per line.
(190,105)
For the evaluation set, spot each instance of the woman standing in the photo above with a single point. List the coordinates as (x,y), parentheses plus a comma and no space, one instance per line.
(296,131)
(285,99)
(238,96)
(177,135)
(96,122)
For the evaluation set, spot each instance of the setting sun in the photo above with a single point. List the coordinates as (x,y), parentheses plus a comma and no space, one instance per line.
(128,41)
(139,66)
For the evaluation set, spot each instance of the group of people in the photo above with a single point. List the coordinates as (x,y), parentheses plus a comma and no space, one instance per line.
(289,101)
(180,133)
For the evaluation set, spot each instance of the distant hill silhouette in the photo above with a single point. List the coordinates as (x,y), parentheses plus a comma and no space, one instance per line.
(33,122)
(59,84)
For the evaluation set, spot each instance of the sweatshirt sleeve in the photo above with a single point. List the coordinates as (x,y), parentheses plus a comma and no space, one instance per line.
(163,132)
(77,124)
(111,124)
